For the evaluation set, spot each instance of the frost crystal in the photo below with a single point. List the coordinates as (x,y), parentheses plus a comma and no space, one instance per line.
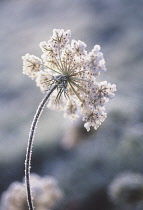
(74,71)
(127,188)
(45,190)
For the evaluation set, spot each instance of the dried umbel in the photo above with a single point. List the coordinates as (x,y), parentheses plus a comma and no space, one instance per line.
(127,189)
(45,191)
(67,74)
(74,71)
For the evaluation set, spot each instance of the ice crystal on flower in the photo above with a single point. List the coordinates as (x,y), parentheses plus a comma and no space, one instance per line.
(31,65)
(45,190)
(127,188)
(74,71)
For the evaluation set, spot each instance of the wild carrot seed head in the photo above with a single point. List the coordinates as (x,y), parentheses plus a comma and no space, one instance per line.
(74,71)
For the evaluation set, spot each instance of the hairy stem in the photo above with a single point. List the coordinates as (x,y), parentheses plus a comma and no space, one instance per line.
(30,145)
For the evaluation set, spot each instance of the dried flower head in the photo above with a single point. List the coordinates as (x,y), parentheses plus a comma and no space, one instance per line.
(127,188)
(74,71)
(45,191)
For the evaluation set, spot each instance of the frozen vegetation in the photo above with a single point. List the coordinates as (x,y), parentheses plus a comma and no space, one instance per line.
(85,165)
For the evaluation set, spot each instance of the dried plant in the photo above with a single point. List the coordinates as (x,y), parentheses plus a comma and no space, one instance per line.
(45,190)
(67,73)
(127,190)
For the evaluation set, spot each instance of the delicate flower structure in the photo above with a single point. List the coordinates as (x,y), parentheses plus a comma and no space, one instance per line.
(31,65)
(74,71)
(127,188)
(94,117)
(45,191)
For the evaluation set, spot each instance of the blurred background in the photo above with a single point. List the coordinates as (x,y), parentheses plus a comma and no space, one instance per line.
(84,164)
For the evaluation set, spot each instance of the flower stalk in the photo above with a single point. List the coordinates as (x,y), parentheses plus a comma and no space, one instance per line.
(30,145)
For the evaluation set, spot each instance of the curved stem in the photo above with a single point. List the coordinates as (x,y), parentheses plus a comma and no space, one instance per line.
(30,145)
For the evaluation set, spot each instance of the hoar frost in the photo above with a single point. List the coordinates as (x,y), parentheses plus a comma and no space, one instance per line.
(75,72)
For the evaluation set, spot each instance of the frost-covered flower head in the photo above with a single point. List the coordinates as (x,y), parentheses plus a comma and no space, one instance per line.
(45,191)
(74,71)
(127,188)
